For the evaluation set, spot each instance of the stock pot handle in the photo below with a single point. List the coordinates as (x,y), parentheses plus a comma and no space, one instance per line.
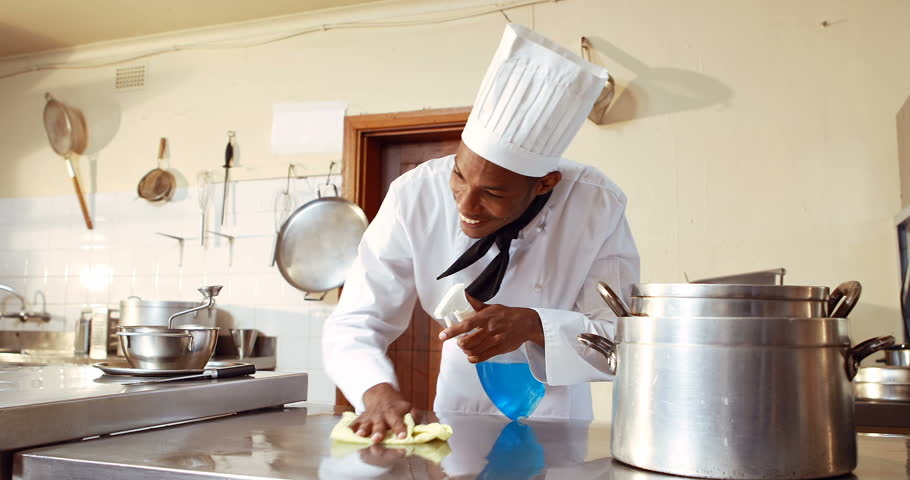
(849,292)
(603,346)
(613,300)
(856,354)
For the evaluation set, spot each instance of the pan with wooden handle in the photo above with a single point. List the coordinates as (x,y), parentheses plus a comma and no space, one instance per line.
(67,133)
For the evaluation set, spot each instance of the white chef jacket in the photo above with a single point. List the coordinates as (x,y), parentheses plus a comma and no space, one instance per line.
(581,236)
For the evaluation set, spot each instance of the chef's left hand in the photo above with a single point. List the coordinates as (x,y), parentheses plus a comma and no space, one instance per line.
(497,329)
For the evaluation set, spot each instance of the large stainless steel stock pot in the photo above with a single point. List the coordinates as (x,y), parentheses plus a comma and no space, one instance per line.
(720,300)
(136,311)
(735,398)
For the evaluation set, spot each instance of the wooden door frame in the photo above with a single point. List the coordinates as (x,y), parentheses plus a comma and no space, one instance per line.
(365,134)
(361,164)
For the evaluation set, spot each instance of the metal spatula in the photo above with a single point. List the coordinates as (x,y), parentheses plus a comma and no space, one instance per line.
(223,372)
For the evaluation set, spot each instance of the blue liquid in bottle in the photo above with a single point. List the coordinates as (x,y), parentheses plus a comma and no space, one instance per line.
(511,387)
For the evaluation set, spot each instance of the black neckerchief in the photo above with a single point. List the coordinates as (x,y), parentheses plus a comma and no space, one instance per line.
(485,286)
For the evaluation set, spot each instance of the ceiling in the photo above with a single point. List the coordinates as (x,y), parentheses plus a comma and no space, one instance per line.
(37,25)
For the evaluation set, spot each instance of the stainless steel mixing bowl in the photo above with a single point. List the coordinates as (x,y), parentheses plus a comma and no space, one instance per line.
(162,348)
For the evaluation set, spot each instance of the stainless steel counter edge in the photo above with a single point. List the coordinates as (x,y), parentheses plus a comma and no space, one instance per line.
(40,424)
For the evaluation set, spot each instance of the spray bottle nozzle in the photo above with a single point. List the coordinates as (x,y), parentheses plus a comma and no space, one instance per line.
(454,306)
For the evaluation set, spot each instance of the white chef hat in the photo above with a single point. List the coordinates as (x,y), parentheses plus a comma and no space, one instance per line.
(533,99)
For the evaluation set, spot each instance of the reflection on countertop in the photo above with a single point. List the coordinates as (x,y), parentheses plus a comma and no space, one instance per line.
(57,403)
(294,443)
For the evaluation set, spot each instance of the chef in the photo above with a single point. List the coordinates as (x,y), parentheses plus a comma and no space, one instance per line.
(528,232)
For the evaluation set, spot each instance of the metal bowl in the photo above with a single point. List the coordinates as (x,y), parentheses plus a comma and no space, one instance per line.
(162,348)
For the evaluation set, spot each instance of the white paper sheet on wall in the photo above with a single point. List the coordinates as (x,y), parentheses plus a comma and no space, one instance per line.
(307,127)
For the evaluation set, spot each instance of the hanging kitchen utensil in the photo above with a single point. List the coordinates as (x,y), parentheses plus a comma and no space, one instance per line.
(66,131)
(158,184)
(228,163)
(318,243)
(283,204)
(203,194)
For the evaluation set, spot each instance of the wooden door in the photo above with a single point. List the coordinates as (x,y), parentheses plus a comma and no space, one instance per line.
(417,352)
(379,148)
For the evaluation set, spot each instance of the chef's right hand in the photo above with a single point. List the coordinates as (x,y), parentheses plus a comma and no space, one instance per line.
(385,410)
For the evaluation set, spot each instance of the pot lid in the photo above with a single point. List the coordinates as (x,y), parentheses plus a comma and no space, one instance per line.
(318,243)
(887,375)
(702,290)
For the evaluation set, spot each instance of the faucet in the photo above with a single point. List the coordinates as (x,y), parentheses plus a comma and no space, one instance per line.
(14,293)
(23,315)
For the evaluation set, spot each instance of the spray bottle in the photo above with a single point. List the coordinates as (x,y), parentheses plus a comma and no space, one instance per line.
(506,378)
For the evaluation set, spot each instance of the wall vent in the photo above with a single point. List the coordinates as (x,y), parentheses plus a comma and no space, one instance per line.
(130,77)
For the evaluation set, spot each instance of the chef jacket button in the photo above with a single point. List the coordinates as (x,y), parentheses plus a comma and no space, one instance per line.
(540,227)
(538,287)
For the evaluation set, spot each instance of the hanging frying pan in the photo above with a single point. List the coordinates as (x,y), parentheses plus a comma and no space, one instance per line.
(318,243)
(67,133)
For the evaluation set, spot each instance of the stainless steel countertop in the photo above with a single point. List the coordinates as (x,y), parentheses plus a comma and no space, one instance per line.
(53,403)
(293,443)
(38,358)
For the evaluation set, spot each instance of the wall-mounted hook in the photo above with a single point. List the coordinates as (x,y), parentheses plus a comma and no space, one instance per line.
(328,182)
(230,239)
(307,297)
(598,113)
(180,242)
(291,173)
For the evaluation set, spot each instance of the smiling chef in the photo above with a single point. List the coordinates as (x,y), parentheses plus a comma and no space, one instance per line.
(528,231)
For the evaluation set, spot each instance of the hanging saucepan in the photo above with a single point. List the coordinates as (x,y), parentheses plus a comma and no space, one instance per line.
(318,243)
(158,184)
(68,136)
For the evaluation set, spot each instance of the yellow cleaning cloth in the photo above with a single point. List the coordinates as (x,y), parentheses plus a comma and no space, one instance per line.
(427,441)
(422,433)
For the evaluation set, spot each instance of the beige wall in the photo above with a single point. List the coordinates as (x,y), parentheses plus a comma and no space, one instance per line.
(747,135)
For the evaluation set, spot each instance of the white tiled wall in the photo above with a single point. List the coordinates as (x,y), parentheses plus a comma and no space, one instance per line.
(46,251)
